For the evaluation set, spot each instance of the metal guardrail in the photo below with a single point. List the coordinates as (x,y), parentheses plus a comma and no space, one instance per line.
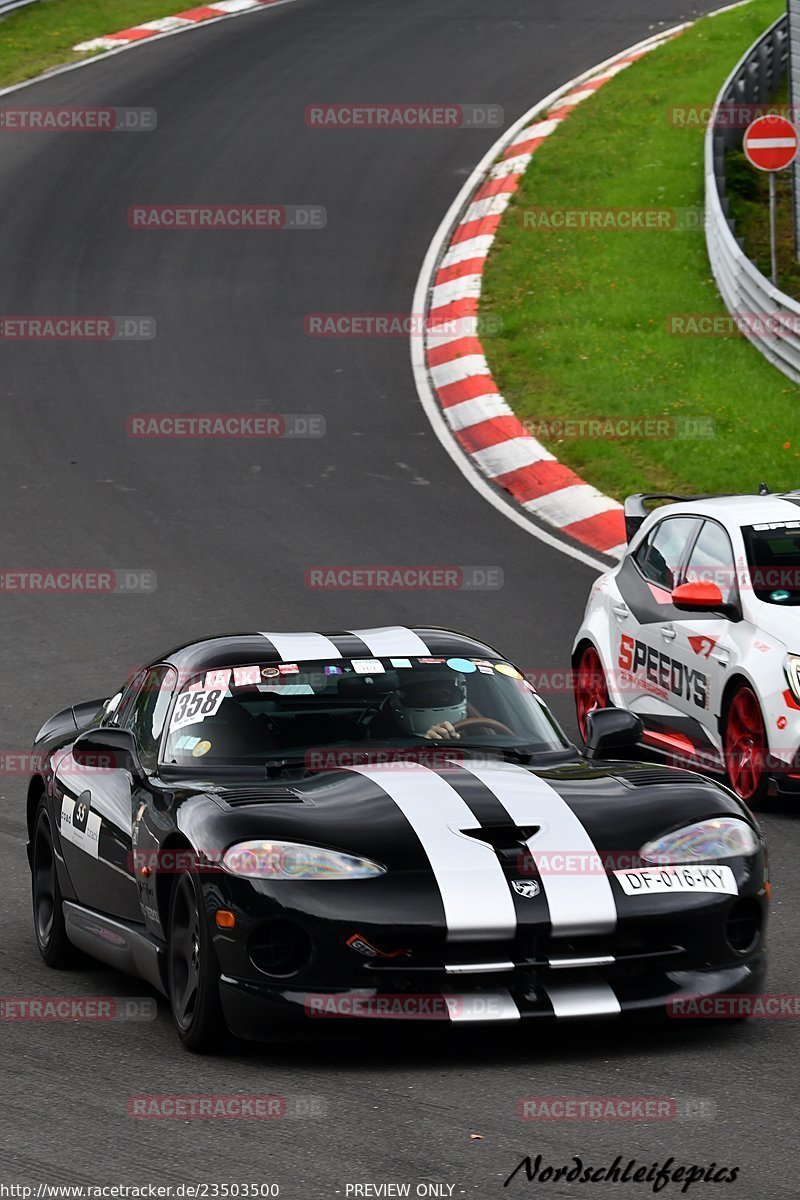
(7,6)
(747,292)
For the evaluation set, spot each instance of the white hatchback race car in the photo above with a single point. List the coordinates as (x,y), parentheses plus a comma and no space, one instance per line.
(697,631)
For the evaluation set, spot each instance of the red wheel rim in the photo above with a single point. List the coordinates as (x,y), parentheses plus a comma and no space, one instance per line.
(745,744)
(590,687)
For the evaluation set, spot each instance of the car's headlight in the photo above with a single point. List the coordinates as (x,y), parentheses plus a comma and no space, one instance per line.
(705,841)
(793,673)
(289,860)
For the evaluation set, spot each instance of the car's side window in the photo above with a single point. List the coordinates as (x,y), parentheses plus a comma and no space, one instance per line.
(660,555)
(126,702)
(146,716)
(711,561)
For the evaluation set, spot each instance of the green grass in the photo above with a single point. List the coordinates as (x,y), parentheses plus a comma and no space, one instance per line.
(584,313)
(42,35)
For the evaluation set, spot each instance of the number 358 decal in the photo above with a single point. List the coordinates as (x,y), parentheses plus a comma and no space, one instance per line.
(193,707)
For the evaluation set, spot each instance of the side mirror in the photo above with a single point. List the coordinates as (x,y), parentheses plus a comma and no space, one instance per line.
(107,750)
(610,729)
(697,597)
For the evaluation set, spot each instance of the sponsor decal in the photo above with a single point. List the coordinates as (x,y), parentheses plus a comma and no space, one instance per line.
(701,644)
(462,664)
(507,669)
(678,879)
(269,672)
(217,679)
(200,749)
(361,945)
(288,669)
(650,666)
(79,825)
(526,887)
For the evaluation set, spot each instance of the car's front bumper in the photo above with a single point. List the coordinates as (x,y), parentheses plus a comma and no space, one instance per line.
(260,1011)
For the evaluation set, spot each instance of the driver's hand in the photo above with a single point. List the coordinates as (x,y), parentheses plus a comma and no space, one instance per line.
(444,730)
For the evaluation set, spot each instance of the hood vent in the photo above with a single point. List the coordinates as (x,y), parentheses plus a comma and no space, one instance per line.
(659,776)
(260,795)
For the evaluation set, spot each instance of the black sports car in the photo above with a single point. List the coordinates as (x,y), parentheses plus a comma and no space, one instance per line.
(385,823)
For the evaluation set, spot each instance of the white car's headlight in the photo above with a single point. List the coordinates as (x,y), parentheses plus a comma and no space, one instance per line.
(705,841)
(793,673)
(289,860)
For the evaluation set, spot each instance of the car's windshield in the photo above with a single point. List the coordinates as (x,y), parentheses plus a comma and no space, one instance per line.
(773,556)
(320,712)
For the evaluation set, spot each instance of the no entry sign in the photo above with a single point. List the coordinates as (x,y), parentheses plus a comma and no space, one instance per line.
(770,143)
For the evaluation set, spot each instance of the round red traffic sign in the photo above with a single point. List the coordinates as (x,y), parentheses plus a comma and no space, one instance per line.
(771,143)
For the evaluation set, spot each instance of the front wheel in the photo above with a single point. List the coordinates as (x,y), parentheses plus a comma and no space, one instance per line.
(193,971)
(48,914)
(591,689)
(744,739)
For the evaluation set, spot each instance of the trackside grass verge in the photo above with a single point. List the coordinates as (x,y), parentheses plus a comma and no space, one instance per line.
(42,35)
(588,315)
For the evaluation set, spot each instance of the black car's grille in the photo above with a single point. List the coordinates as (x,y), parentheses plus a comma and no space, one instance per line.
(259,795)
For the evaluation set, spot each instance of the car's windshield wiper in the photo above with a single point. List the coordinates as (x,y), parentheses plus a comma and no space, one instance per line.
(512,752)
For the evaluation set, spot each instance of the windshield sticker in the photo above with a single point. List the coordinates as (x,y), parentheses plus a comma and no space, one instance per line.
(507,669)
(334,671)
(288,689)
(780,596)
(461,664)
(400,663)
(269,672)
(217,679)
(200,749)
(187,742)
(368,666)
(245,676)
(194,706)
(288,669)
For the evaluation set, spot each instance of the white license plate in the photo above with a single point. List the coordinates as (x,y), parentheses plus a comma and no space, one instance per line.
(652,880)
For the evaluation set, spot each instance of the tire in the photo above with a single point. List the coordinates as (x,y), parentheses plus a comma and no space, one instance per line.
(48,915)
(193,971)
(745,746)
(591,689)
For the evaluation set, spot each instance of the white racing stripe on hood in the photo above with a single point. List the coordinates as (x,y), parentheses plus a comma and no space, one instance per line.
(476,897)
(302,647)
(580,903)
(391,639)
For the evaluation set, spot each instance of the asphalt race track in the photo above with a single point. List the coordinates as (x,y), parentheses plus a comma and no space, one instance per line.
(230,528)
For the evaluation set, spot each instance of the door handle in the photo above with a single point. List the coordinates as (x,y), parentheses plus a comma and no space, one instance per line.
(722,658)
(668,632)
(621,611)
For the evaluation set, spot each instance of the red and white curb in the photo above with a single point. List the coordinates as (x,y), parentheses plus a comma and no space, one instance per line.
(454,363)
(183,20)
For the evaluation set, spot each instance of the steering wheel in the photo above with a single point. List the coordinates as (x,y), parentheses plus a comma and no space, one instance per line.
(487,722)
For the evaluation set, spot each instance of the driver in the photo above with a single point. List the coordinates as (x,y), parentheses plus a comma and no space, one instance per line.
(431,707)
